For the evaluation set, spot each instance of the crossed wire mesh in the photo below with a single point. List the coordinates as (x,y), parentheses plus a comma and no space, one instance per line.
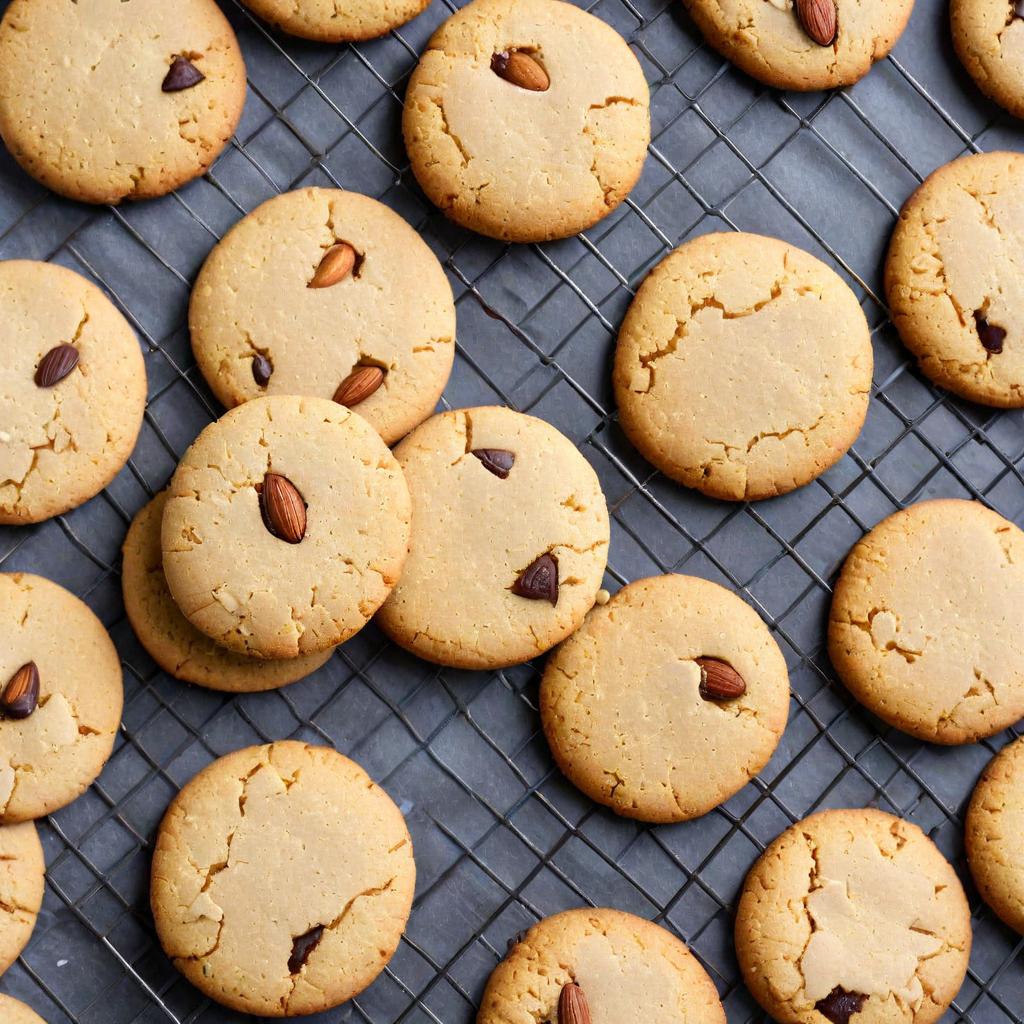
(501,839)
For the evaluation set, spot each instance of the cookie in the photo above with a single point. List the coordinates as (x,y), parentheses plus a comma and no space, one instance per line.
(509,540)
(22,872)
(282,880)
(326,21)
(57,723)
(834,45)
(260,326)
(172,641)
(953,282)
(13,1012)
(743,366)
(526,120)
(989,40)
(106,100)
(285,528)
(925,623)
(667,700)
(72,391)
(853,912)
(993,829)
(618,966)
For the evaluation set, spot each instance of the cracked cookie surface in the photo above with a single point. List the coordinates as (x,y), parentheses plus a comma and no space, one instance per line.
(743,367)
(61,445)
(621,706)
(628,968)
(993,830)
(925,623)
(514,163)
(53,755)
(14,1012)
(282,879)
(957,255)
(764,38)
(81,104)
(253,592)
(475,534)
(394,310)
(22,871)
(334,21)
(989,40)
(171,640)
(855,900)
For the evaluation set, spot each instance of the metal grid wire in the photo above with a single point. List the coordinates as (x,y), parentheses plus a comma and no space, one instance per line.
(501,839)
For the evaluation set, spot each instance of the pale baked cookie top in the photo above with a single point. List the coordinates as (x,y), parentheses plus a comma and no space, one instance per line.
(14,1012)
(82,101)
(509,540)
(989,40)
(282,879)
(68,427)
(954,282)
(330,21)
(22,872)
(993,832)
(527,164)
(743,366)
(254,310)
(50,757)
(766,38)
(261,590)
(631,720)
(853,912)
(925,626)
(627,969)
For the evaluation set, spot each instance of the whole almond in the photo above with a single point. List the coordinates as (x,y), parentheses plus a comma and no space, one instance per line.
(282,508)
(56,365)
(719,680)
(520,69)
(819,20)
(21,694)
(572,1005)
(335,266)
(362,382)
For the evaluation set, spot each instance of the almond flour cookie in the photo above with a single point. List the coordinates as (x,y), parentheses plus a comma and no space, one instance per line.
(994,826)
(617,966)
(989,40)
(853,914)
(833,44)
(61,697)
(509,540)
(13,1012)
(314,291)
(72,391)
(667,700)
(925,623)
(22,871)
(286,526)
(743,366)
(327,21)
(282,880)
(512,134)
(171,640)
(953,278)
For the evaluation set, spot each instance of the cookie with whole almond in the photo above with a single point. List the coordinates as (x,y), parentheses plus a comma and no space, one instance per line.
(22,872)
(61,696)
(106,100)
(286,526)
(953,282)
(326,21)
(326,293)
(509,540)
(989,40)
(282,880)
(14,1012)
(853,915)
(72,391)
(512,134)
(667,700)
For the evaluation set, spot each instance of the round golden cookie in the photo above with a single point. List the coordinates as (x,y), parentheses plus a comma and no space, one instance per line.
(767,38)
(107,100)
(171,640)
(13,1012)
(526,120)
(989,40)
(72,391)
(993,831)
(52,756)
(953,280)
(743,366)
(639,713)
(285,528)
(853,915)
(282,880)
(626,968)
(327,21)
(22,874)
(260,327)
(509,540)
(925,624)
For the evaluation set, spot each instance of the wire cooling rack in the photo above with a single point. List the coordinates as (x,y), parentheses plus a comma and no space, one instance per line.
(501,839)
